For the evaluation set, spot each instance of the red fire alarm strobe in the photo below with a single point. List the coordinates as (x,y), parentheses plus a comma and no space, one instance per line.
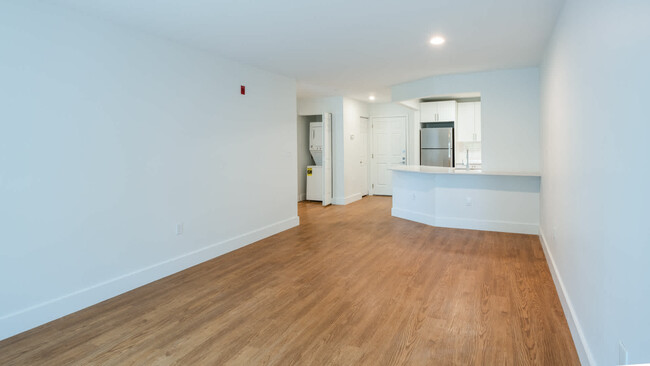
(243,90)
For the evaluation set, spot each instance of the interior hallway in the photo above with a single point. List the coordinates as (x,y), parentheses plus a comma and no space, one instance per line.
(351,285)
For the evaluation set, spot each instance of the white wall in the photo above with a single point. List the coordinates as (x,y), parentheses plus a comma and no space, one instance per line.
(109,138)
(596,176)
(509,112)
(352,111)
(334,105)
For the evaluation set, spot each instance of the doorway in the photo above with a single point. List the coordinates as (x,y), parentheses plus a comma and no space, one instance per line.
(389,146)
(315,158)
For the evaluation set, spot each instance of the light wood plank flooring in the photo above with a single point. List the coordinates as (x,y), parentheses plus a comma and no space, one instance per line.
(350,286)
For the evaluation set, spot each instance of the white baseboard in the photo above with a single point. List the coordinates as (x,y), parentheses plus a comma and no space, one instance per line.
(347,200)
(25,319)
(302,197)
(461,223)
(584,353)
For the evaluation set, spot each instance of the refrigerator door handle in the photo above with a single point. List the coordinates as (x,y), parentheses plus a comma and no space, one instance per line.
(449,150)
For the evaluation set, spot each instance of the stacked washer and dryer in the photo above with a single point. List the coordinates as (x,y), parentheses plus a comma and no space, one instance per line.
(315,172)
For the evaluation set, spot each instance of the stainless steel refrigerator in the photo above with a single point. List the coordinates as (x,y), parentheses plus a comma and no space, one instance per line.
(437,144)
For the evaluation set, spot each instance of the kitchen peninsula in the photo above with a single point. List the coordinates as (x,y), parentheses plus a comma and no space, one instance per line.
(467,199)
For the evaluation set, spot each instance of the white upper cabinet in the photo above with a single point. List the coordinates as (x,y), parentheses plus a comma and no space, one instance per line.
(468,125)
(428,112)
(465,122)
(438,111)
(446,111)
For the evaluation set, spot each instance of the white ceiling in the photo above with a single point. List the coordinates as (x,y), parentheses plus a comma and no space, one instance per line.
(348,47)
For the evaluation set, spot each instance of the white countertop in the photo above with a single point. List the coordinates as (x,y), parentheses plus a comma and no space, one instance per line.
(460,171)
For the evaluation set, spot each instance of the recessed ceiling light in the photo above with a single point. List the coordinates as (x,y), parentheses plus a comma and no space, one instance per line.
(372,97)
(437,40)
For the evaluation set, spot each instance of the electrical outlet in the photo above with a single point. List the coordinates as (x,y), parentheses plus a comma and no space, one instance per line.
(622,354)
(468,201)
(179,228)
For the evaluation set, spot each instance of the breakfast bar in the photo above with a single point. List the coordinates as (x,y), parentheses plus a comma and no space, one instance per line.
(467,199)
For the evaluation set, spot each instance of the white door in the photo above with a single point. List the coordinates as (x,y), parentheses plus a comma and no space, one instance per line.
(364,168)
(327,159)
(388,148)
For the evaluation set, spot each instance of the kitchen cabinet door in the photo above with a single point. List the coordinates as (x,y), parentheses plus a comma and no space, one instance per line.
(446,111)
(465,122)
(477,121)
(428,112)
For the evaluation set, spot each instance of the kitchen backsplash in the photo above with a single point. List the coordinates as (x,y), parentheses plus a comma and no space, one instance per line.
(474,152)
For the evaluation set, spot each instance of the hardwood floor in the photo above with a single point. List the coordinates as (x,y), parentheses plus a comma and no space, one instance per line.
(350,286)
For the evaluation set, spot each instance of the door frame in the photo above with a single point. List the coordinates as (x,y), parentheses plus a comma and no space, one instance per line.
(368,150)
(371,146)
(327,186)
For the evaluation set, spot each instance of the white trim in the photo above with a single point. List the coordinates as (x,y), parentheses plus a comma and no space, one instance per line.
(302,197)
(368,152)
(584,353)
(327,186)
(347,200)
(461,223)
(33,316)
